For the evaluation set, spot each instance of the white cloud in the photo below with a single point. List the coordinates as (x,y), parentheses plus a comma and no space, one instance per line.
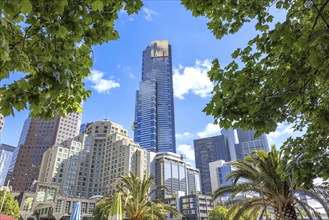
(274,134)
(192,79)
(127,71)
(282,133)
(288,130)
(184,136)
(148,13)
(277,133)
(100,84)
(187,150)
(131,76)
(210,130)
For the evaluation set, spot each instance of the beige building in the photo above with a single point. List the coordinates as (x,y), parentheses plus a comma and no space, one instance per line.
(45,203)
(90,163)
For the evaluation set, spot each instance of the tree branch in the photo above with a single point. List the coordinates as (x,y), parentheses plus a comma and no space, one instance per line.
(319,14)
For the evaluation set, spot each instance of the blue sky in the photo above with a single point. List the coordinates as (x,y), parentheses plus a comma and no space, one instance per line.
(117,71)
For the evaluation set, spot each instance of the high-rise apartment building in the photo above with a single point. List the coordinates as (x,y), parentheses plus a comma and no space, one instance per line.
(207,150)
(176,174)
(6,152)
(88,164)
(154,111)
(38,136)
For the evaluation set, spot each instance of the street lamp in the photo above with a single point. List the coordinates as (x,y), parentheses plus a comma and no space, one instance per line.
(309,3)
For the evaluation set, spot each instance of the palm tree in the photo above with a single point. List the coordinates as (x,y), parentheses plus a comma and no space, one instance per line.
(135,194)
(261,174)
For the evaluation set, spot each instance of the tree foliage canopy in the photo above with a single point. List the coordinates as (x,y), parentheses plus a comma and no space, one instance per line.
(10,206)
(49,42)
(218,213)
(281,76)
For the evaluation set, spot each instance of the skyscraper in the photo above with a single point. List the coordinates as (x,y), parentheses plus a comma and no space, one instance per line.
(37,136)
(154,111)
(207,150)
(231,145)
(6,152)
(242,143)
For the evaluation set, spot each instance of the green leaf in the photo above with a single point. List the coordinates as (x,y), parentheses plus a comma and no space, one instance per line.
(279,4)
(236,53)
(26,6)
(97,6)
(62,31)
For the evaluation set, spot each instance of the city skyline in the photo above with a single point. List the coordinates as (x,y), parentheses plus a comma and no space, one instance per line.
(117,71)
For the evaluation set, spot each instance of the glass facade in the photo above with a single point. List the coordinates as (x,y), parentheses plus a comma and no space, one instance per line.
(208,150)
(222,173)
(176,175)
(154,110)
(247,143)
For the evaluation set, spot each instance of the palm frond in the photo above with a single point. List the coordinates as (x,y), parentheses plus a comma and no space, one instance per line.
(307,208)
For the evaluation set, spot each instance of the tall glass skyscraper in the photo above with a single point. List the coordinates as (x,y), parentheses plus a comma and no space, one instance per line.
(154,111)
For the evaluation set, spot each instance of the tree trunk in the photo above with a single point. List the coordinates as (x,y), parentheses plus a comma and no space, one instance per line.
(286,213)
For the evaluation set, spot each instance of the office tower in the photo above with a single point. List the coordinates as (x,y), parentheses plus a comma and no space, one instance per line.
(90,163)
(37,136)
(176,174)
(243,142)
(207,150)
(6,152)
(154,111)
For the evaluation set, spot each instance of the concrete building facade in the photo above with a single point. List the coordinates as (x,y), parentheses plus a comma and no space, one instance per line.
(38,136)
(88,164)
(196,207)
(45,203)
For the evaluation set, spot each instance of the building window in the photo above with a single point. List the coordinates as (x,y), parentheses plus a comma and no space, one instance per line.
(91,207)
(84,207)
(67,207)
(41,194)
(59,206)
(51,194)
